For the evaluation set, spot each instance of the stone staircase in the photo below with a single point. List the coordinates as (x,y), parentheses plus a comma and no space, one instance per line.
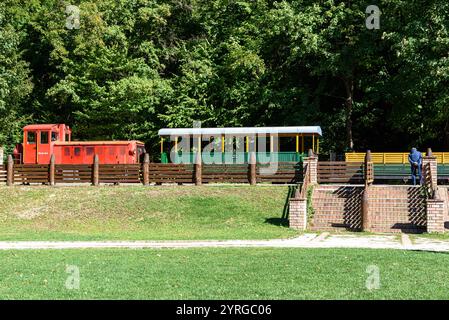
(337,207)
(397,208)
(392,208)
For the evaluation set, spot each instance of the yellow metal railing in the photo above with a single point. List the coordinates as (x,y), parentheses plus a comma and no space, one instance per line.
(392,157)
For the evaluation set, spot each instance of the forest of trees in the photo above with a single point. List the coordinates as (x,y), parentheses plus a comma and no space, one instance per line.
(135,66)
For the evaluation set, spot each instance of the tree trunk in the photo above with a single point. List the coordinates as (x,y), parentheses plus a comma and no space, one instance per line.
(446,134)
(349,85)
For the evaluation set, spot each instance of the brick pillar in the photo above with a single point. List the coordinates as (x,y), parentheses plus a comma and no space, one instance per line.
(429,165)
(298,213)
(368,169)
(311,163)
(435,215)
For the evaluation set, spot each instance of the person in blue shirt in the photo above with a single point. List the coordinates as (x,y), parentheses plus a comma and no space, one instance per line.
(415,159)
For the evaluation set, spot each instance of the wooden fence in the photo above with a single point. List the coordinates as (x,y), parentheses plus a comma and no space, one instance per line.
(234,173)
(285,172)
(170,173)
(2,174)
(157,173)
(340,172)
(31,174)
(124,173)
(66,173)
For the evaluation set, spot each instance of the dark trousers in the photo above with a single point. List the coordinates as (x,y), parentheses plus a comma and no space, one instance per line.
(416,173)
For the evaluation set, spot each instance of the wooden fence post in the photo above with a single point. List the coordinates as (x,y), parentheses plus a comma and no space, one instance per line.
(96,172)
(430,171)
(52,169)
(198,169)
(369,169)
(252,169)
(369,178)
(10,172)
(146,170)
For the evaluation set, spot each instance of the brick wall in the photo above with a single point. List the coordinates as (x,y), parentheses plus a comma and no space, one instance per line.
(298,213)
(435,215)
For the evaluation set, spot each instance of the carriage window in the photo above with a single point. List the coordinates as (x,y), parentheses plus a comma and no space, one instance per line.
(54,136)
(89,151)
(44,137)
(67,152)
(111,151)
(140,154)
(67,137)
(77,152)
(31,137)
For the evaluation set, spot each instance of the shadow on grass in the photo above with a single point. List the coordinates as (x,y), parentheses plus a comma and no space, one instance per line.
(283,220)
(280,222)
(431,251)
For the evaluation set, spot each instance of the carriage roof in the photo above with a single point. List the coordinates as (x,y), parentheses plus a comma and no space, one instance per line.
(307,130)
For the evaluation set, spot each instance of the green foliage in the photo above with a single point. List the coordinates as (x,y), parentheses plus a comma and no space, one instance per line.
(15,84)
(310,209)
(135,66)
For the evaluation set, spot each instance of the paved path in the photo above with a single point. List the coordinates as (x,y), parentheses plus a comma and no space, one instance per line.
(308,240)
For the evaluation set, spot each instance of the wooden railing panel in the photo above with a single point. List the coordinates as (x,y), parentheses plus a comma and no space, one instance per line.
(3,174)
(31,173)
(171,173)
(66,173)
(234,173)
(393,157)
(287,172)
(112,173)
(340,172)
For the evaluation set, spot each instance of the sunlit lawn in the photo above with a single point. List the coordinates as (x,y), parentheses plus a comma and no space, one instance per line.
(143,213)
(225,274)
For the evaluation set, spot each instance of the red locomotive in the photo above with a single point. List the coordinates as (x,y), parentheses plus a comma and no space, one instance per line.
(42,140)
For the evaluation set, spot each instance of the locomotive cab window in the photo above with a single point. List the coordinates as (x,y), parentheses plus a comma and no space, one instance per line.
(54,136)
(31,137)
(44,137)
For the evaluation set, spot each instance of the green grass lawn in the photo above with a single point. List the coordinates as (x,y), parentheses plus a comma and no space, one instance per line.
(224,274)
(143,213)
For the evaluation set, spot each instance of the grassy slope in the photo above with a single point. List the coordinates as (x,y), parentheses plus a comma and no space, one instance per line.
(224,274)
(137,212)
